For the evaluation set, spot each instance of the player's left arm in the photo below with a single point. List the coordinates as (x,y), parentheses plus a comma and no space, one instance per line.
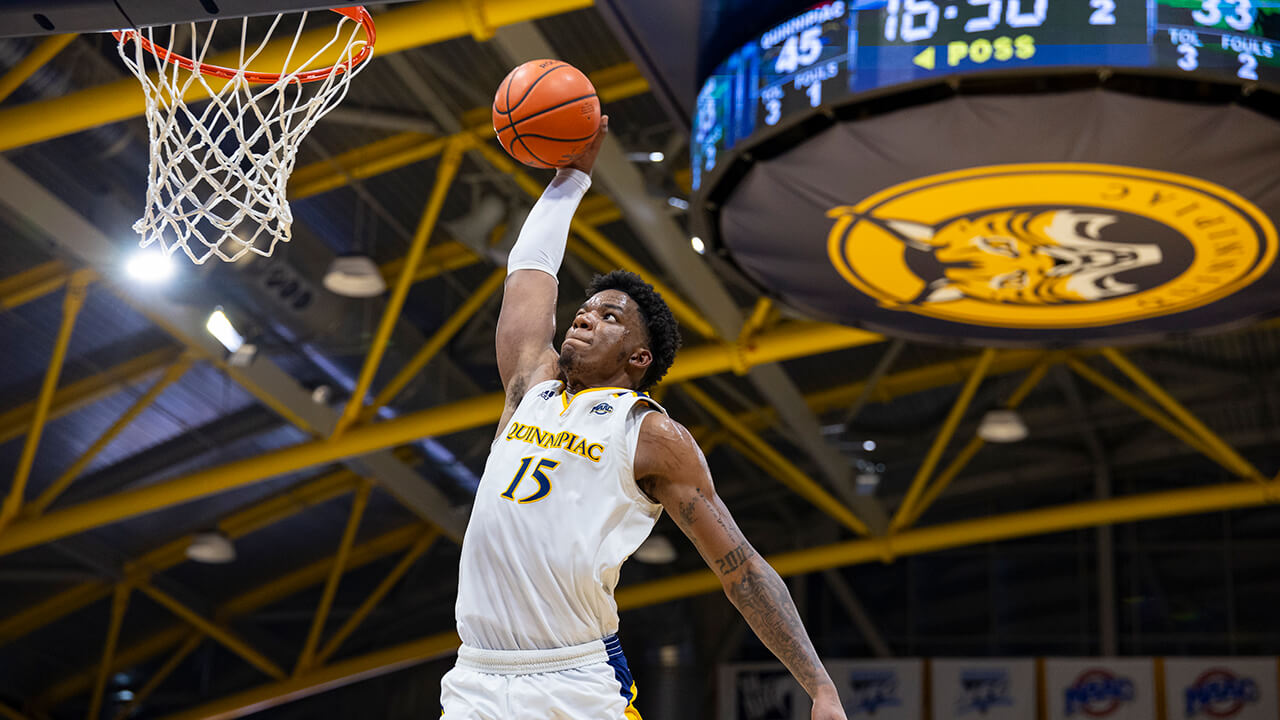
(671,469)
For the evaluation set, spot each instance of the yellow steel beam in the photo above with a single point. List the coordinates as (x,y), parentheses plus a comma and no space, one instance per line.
(391,313)
(975,444)
(684,312)
(801,562)
(11,713)
(126,658)
(27,66)
(437,341)
(223,635)
(324,679)
(161,674)
(339,566)
(781,343)
(944,436)
(35,283)
(119,602)
(782,469)
(452,255)
(73,396)
(406,27)
(1242,467)
(236,525)
(437,260)
(406,148)
(916,541)
(756,321)
(51,609)
(77,289)
(1160,419)
(56,488)
(363,162)
(243,604)
(389,581)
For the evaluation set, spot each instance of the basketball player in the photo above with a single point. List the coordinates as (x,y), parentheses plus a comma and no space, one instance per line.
(582,466)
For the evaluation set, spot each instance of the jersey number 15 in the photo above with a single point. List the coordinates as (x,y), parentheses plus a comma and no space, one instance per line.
(544,482)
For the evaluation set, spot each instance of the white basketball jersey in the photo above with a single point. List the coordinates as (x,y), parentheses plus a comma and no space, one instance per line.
(556,514)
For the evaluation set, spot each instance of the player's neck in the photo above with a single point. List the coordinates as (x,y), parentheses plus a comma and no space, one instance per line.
(575,385)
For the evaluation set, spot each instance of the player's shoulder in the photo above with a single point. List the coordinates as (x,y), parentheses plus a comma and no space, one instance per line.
(661,429)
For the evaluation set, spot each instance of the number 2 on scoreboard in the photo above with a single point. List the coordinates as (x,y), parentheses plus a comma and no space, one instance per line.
(1104,12)
(1248,66)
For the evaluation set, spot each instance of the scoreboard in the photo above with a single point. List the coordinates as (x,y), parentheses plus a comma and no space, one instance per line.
(839,49)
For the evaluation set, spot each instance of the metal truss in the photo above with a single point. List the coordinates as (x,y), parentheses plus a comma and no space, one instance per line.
(352,433)
(400,29)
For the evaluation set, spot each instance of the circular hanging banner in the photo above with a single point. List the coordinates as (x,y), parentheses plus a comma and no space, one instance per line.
(1018,220)
(1050,245)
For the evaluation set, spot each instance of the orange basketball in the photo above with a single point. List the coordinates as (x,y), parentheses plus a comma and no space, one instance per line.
(545,113)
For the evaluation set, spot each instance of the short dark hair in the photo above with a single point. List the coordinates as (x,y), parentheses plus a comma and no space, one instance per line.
(659,323)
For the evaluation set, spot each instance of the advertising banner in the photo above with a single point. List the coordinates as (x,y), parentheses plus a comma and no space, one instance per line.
(988,689)
(1220,688)
(1111,688)
(880,689)
(761,691)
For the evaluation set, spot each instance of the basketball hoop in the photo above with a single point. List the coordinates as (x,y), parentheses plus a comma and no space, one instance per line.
(217,177)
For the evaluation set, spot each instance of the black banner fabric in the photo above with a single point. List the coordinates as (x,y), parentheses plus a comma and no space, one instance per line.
(1051,219)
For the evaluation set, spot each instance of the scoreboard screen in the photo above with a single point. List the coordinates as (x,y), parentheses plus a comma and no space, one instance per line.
(838,49)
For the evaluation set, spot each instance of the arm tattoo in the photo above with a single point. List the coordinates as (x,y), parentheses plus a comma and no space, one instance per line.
(734,559)
(763,599)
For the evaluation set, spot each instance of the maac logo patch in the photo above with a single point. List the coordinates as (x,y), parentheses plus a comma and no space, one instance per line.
(1051,245)
(602,409)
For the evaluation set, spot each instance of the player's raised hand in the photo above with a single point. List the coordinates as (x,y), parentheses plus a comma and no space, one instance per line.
(587,159)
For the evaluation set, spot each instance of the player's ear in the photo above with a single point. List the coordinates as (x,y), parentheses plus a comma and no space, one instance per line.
(640,359)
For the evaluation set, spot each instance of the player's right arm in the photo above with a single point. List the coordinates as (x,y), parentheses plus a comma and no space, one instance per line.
(527,321)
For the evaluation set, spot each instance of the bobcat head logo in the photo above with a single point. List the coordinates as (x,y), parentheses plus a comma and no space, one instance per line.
(1041,248)
(1027,258)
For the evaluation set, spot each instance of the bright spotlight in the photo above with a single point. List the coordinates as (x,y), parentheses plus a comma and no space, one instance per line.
(678,203)
(656,156)
(149,266)
(868,445)
(220,327)
(697,244)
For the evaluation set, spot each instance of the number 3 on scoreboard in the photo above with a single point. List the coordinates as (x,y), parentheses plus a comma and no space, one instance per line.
(544,482)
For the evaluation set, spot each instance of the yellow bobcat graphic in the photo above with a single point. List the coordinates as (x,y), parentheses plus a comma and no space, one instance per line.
(1023,257)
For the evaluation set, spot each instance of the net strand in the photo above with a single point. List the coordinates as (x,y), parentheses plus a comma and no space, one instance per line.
(219,168)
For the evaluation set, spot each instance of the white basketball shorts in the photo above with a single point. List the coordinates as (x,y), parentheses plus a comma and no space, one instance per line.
(583,682)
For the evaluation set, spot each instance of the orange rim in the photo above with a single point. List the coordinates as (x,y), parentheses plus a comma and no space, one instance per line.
(358,13)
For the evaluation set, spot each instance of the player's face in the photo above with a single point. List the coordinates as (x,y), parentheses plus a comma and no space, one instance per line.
(604,338)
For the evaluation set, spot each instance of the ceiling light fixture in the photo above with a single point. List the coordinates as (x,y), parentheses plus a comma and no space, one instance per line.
(149,266)
(354,276)
(211,546)
(656,156)
(656,550)
(220,327)
(1002,426)
(697,244)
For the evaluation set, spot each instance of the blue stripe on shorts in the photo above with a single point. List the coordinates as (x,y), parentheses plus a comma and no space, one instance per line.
(619,663)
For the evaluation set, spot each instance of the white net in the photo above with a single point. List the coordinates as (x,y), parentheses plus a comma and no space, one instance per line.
(219,168)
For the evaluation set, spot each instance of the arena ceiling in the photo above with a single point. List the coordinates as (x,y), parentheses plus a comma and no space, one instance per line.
(128,430)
